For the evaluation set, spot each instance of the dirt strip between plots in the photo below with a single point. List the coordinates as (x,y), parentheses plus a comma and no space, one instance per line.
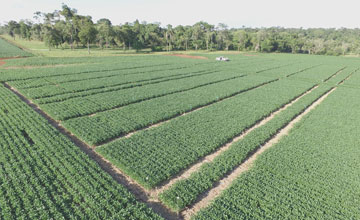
(138,191)
(245,166)
(209,158)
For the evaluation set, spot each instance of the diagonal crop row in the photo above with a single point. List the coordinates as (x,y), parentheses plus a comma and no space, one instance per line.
(43,175)
(210,174)
(153,156)
(99,128)
(185,192)
(59,90)
(112,100)
(79,106)
(314,177)
(117,64)
(53,80)
(36,83)
(62,91)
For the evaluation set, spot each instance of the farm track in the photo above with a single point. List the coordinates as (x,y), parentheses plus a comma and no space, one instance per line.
(191,110)
(138,191)
(220,186)
(209,158)
(150,81)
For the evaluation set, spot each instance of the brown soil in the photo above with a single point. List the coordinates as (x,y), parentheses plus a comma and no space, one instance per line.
(226,182)
(189,56)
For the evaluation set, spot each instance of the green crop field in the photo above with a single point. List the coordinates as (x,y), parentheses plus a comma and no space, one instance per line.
(264,136)
(10,50)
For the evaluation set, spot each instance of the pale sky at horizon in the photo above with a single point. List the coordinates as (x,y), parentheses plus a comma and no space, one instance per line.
(249,13)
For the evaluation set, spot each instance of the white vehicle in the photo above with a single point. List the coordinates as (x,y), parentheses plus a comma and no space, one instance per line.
(222,58)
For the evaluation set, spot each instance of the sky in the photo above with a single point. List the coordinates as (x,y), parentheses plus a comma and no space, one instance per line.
(234,13)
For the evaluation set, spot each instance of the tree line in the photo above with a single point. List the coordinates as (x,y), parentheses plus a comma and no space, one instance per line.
(66,28)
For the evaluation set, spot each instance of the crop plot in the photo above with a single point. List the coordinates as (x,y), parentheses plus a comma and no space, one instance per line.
(8,50)
(180,131)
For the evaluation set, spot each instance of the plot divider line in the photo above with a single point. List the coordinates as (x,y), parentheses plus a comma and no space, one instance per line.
(209,158)
(226,182)
(140,193)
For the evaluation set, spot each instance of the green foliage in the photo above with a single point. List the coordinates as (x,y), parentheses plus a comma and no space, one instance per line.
(100,99)
(188,138)
(310,174)
(184,192)
(44,175)
(66,27)
(10,50)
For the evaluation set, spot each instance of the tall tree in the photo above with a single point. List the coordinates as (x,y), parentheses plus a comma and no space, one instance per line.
(106,32)
(69,14)
(169,36)
(13,28)
(88,32)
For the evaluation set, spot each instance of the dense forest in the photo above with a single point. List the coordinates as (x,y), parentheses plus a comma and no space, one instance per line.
(65,28)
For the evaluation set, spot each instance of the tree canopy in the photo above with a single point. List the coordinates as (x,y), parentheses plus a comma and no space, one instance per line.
(66,27)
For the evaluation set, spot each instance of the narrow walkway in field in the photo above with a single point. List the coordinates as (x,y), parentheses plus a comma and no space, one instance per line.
(209,158)
(138,191)
(227,181)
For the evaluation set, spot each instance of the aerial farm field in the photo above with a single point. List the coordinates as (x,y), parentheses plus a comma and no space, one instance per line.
(264,136)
